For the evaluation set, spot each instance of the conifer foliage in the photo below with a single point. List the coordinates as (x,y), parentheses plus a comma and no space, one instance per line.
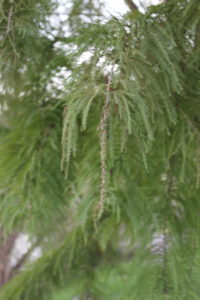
(100,149)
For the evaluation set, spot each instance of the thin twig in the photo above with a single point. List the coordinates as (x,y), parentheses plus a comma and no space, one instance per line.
(168,196)
(195,129)
(9,25)
(164,250)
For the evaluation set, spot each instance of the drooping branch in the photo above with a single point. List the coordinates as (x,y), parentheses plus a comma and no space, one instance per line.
(131,5)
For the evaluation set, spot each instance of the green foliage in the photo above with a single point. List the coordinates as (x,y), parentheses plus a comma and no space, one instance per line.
(102,164)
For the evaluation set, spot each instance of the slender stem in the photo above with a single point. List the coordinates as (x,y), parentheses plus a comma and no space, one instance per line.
(168,196)
(164,270)
(9,25)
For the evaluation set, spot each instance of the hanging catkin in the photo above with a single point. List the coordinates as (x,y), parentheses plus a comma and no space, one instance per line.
(103,135)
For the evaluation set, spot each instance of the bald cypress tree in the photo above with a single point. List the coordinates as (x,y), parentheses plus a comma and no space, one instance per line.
(100,149)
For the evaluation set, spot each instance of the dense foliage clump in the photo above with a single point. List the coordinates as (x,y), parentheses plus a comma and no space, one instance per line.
(100,149)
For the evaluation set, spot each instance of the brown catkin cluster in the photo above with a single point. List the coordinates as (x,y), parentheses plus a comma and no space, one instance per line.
(103,125)
(66,143)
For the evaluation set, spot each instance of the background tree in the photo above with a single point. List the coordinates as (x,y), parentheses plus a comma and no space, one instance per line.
(99,151)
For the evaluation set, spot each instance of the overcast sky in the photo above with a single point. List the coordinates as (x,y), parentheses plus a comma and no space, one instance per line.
(113,7)
(118,6)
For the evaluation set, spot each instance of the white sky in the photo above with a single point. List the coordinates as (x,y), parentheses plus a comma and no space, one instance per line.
(119,6)
(113,7)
